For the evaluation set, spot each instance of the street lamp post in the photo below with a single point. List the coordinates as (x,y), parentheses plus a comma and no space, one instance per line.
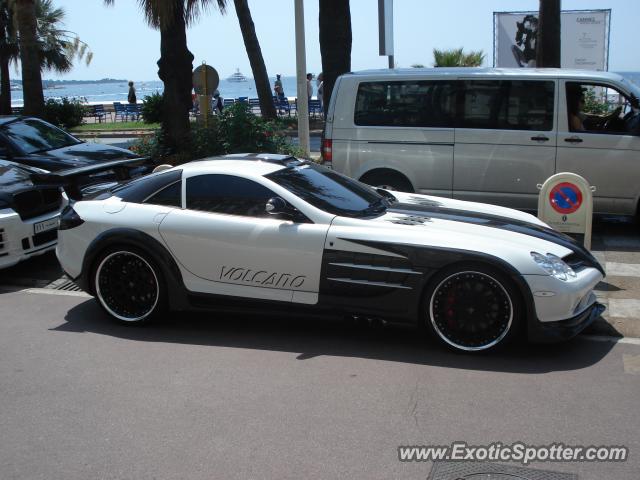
(301,75)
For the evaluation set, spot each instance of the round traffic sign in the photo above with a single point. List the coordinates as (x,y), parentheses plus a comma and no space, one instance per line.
(565,198)
(212,79)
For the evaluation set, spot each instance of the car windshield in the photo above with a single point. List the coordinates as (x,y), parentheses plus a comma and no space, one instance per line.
(634,89)
(330,191)
(34,136)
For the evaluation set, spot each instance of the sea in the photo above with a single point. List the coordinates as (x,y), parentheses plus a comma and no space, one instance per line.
(95,93)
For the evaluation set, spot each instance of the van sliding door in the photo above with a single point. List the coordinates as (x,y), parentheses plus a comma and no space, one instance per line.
(505,140)
(404,126)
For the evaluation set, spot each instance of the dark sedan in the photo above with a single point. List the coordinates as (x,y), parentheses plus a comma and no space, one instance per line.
(36,143)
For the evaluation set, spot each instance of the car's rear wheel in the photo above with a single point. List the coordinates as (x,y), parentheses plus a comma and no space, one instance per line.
(472,308)
(128,285)
(388,180)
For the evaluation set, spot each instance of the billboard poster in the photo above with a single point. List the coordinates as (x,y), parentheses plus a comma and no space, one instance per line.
(584,39)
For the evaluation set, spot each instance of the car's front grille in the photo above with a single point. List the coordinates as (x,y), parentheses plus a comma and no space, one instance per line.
(1,238)
(44,237)
(32,203)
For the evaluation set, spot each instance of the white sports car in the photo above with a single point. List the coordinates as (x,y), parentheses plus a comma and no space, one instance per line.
(284,234)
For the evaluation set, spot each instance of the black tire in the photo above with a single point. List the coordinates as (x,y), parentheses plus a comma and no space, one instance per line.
(472,308)
(129,285)
(389,180)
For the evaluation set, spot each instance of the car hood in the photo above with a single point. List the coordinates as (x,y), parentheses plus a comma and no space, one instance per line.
(79,155)
(421,220)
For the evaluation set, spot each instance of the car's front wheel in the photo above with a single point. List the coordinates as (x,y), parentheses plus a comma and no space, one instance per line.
(128,285)
(472,308)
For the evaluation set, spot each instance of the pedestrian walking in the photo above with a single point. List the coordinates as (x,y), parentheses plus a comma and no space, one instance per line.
(131,98)
(309,88)
(277,88)
(320,90)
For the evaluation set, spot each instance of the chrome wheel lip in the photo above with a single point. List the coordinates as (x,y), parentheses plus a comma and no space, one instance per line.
(101,298)
(464,347)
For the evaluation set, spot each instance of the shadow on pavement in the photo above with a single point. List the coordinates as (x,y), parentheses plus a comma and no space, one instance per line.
(34,272)
(330,337)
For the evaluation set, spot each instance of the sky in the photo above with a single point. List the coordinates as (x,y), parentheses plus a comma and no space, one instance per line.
(124,47)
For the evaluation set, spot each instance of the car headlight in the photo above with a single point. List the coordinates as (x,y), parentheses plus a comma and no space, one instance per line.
(554,266)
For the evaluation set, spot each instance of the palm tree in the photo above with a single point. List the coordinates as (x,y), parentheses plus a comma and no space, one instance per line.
(457,58)
(25,12)
(56,47)
(251,44)
(8,52)
(335,43)
(172,17)
(548,48)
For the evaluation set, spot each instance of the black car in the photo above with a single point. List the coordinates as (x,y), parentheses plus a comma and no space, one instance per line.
(36,143)
(29,213)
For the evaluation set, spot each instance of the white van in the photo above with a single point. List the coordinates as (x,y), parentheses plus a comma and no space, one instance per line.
(488,135)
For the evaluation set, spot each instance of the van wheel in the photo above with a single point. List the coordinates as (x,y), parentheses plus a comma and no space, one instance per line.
(389,180)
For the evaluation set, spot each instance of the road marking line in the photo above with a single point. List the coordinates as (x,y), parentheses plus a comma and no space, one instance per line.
(48,291)
(624,308)
(603,338)
(615,269)
(631,364)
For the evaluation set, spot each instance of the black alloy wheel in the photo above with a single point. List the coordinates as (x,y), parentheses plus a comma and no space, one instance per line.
(128,285)
(473,309)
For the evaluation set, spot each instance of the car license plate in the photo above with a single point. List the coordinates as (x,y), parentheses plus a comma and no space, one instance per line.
(46,225)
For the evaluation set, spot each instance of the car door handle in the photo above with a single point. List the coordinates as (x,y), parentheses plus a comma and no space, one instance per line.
(540,138)
(573,140)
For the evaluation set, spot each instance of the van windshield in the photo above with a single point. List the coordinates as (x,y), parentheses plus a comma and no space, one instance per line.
(634,89)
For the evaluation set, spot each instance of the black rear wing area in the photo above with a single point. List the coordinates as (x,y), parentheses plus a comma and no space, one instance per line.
(73,180)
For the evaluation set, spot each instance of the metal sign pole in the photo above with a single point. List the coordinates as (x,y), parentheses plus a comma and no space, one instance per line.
(205,107)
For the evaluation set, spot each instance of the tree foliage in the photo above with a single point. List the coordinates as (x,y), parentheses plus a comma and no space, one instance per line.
(56,48)
(172,17)
(457,58)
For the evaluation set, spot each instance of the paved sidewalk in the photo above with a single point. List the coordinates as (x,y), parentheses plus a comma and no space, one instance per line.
(617,246)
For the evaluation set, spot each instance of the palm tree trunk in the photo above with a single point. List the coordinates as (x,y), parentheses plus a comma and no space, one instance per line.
(251,44)
(5,85)
(335,43)
(174,69)
(548,48)
(30,58)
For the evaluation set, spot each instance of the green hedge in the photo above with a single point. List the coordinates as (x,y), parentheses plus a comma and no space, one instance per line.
(235,130)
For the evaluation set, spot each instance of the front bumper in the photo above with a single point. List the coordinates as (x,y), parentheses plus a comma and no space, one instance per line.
(549,332)
(562,309)
(18,240)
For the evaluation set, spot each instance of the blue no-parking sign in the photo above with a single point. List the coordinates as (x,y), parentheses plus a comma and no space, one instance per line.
(566,204)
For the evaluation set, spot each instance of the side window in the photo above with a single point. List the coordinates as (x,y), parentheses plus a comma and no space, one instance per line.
(227,194)
(508,105)
(597,109)
(170,196)
(417,103)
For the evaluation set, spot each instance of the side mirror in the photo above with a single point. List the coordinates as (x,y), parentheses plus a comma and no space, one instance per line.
(276,206)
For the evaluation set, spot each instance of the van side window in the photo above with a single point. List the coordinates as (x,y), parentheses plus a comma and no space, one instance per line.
(597,108)
(414,103)
(507,105)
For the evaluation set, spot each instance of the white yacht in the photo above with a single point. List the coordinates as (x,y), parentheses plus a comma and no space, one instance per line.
(237,77)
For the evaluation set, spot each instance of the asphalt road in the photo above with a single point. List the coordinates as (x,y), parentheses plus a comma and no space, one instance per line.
(217,396)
